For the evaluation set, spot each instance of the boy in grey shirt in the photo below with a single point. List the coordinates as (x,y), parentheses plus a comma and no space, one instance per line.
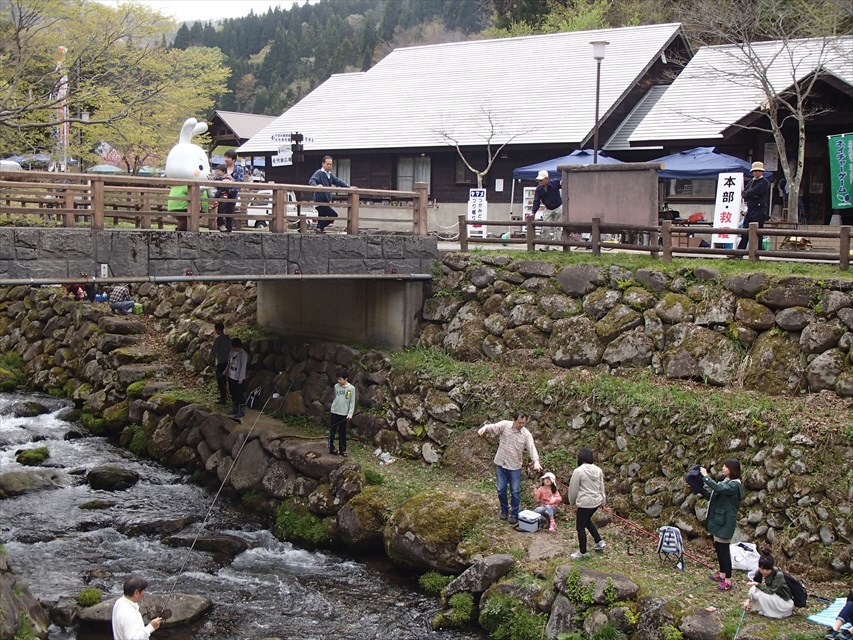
(343,406)
(221,351)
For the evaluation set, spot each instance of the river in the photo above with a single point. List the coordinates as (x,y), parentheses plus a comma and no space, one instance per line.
(272,589)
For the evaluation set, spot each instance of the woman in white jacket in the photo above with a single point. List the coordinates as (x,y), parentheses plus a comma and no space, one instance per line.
(586,493)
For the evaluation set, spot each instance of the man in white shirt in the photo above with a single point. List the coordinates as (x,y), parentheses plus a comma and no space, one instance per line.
(127,621)
(514,439)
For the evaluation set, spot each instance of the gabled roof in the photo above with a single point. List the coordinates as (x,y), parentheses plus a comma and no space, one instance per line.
(536,89)
(716,89)
(619,140)
(244,125)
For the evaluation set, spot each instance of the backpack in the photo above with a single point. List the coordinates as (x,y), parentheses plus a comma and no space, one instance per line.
(671,546)
(798,592)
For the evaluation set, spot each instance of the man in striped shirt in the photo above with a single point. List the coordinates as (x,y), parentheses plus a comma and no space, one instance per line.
(514,439)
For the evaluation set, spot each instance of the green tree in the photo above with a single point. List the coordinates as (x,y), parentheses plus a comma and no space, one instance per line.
(195,76)
(104,53)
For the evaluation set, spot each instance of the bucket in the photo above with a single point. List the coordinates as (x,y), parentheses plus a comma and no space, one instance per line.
(137,308)
(765,243)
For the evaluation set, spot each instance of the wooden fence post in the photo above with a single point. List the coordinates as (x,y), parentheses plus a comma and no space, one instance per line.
(278,224)
(667,240)
(97,204)
(530,233)
(352,214)
(193,207)
(596,236)
(420,210)
(844,247)
(145,211)
(753,242)
(69,209)
(463,234)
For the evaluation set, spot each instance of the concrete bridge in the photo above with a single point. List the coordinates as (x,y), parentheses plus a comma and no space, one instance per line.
(366,288)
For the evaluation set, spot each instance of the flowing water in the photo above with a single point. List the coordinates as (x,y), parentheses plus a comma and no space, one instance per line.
(272,589)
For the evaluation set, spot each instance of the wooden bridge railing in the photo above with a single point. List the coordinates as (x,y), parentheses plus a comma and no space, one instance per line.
(92,200)
(658,241)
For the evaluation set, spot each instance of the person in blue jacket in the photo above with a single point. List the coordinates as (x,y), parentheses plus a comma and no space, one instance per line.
(724,500)
(324,177)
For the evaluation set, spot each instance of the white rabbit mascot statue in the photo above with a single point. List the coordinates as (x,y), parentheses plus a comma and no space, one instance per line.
(187,161)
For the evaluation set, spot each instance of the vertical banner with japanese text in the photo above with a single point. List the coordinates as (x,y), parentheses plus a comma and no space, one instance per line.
(841,170)
(477,210)
(727,208)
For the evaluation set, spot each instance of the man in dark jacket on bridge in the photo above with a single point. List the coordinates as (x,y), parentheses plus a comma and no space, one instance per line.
(325,178)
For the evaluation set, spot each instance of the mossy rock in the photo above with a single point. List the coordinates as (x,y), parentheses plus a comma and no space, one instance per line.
(776,364)
(93,423)
(116,416)
(426,531)
(362,519)
(134,389)
(294,523)
(32,457)
(8,379)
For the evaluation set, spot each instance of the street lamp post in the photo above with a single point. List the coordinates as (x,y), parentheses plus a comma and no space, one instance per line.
(598,54)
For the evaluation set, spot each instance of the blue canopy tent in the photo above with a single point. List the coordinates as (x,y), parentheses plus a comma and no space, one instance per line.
(578,156)
(702,163)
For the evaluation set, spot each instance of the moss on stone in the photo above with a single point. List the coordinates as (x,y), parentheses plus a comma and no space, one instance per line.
(33,457)
(134,389)
(440,516)
(116,416)
(93,423)
(294,523)
(89,597)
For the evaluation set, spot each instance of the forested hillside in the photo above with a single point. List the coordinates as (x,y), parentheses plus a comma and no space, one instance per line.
(278,57)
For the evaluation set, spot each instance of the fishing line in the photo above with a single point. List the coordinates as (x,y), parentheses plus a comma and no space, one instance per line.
(274,394)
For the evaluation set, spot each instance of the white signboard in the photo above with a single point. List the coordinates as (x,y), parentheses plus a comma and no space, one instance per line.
(280,137)
(282,160)
(499,184)
(771,156)
(727,208)
(477,210)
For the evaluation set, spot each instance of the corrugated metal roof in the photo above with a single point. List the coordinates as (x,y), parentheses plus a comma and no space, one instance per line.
(716,88)
(540,89)
(619,140)
(244,125)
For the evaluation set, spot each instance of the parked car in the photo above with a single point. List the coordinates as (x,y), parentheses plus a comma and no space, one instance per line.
(259,207)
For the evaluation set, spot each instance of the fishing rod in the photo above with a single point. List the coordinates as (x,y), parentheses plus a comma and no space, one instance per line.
(274,395)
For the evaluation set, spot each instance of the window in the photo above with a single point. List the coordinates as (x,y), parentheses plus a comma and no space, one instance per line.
(694,188)
(412,170)
(463,174)
(342,169)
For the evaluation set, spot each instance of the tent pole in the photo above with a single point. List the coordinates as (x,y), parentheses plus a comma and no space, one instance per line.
(512,197)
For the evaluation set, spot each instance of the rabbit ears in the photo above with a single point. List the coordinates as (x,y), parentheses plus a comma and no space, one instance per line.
(191,127)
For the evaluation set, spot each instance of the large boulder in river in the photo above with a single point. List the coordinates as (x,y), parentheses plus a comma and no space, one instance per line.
(16,483)
(184,607)
(110,478)
(426,531)
(18,606)
(221,545)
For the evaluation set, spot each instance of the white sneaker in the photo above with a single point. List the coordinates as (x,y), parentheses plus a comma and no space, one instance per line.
(222,227)
(600,545)
(577,555)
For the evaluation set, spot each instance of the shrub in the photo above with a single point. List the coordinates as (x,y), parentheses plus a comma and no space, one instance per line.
(373,477)
(609,632)
(461,609)
(298,525)
(506,618)
(433,583)
(94,424)
(32,457)
(89,597)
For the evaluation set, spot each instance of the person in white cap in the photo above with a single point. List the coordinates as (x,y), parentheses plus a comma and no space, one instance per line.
(755,195)
(547,497)
(548,194)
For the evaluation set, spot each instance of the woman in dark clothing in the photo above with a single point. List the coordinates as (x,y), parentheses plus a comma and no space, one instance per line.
(724,500)
(844,616)
(769,594)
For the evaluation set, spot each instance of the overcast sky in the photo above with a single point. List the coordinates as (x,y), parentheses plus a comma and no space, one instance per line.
(186,10)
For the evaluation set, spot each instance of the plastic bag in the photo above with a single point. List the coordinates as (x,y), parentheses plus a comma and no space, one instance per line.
(137,308)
